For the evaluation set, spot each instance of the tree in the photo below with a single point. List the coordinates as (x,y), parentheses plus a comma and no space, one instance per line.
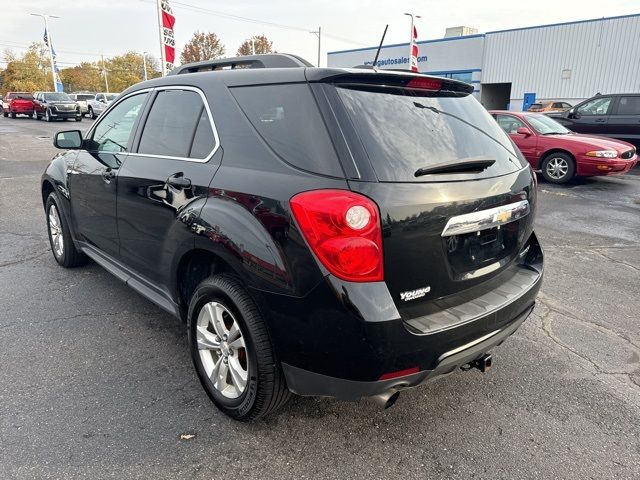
(202,46)
(29,72)
(85,76)
(260,42)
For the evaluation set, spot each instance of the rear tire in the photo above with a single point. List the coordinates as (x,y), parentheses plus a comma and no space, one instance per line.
(31,115)
(558,167)
(5,114)
(62,246)
(218,305)
(13,115)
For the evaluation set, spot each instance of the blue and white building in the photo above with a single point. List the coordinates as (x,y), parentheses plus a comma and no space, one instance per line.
(512,68)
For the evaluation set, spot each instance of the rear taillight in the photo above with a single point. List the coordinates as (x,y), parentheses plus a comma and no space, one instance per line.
(343,230)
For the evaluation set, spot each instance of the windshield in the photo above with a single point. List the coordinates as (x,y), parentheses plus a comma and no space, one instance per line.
(110,96)
(403,133)
(57,97)
(546,126)
(84,97)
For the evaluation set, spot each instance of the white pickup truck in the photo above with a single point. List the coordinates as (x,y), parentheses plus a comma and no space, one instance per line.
(99,103)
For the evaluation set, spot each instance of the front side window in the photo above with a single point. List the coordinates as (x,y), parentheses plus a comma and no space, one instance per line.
(597,106)
(113,132)
(509,124)
(629,106)
(177,126)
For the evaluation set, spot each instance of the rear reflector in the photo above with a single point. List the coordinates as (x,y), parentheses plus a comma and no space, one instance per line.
(399,373)
(425,83)
(343,230)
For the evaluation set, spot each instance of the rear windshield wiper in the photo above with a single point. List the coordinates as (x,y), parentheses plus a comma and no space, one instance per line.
(467,165)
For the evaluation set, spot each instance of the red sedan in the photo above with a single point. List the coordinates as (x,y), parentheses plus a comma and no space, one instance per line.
(561,154)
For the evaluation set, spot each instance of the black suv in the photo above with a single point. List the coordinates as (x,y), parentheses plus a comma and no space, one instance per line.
(331,232)
(616,116)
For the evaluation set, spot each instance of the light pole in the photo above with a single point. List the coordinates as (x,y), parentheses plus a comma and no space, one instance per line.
(144,64)
(318,33)
(46,17)
(411,39)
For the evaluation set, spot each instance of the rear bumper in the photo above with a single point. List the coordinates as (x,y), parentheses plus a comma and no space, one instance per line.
(307,383)
(343,338)
(21,109)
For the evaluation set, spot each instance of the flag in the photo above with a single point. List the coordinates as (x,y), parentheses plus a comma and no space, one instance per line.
(56,70)
(413,60)
(168,41)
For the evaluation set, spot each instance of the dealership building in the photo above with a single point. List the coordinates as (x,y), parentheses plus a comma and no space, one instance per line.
(509,69)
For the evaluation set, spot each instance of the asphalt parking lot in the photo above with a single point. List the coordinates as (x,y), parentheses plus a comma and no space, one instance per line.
(95,381)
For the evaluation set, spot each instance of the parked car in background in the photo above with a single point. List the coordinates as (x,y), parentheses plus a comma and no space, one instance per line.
(82,98)
(55,105)
(99,103)
(17,103)
(549,106)
(615,115)
(277,257)
(561,154)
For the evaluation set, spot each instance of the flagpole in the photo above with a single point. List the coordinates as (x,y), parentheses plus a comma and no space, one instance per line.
(49,44)
(411,39)
(160,31)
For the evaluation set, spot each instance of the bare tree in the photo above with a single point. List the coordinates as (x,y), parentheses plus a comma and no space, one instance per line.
(202,46)
(260,43)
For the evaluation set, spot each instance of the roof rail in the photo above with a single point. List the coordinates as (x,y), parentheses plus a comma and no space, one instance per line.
(269,60)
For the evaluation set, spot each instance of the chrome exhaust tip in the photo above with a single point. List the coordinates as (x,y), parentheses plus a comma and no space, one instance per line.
(386,399)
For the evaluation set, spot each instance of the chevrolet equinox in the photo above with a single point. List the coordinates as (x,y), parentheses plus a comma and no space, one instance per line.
(329,232)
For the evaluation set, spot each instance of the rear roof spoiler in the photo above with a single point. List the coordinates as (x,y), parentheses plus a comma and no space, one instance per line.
(269,60)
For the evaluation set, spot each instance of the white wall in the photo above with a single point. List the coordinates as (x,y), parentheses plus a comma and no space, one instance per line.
(602,55)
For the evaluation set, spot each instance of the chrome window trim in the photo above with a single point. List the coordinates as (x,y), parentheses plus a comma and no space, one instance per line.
(211,122)
(485,219)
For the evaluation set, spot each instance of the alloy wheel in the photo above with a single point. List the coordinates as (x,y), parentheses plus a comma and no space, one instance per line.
(222,350)
(55,229)
(557,168)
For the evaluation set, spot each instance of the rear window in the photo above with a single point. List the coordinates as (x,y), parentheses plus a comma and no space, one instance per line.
(21,96)
(84,97)
(287,118)
(629,106)
(403,132)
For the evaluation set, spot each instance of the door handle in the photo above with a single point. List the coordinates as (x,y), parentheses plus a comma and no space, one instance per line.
(601,120)
(178,180)
(108,175)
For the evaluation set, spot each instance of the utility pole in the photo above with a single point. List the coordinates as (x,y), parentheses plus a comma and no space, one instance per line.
(104,72)
(411,39)
(318,33)
(160,31)
(144,65)
(50,44)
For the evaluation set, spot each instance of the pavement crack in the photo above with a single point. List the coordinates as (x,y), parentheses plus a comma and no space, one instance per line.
(23,260)
(615,260)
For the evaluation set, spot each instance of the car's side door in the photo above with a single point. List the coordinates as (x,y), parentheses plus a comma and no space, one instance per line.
(164,183)
(93,181)
(591,117)
(527,143)
(624,121)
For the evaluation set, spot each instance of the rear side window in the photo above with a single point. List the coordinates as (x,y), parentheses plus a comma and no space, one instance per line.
(403,132)
(178,126)
(629,106)
(287,118)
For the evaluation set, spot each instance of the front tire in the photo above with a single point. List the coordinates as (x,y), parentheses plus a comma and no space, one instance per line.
(558,168)
(91,114)
(62,246)
(232,352)
(47,116)
(13,115)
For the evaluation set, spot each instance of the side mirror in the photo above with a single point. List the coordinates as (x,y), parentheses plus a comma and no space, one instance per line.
(524,131)
(571,113)
(68,140)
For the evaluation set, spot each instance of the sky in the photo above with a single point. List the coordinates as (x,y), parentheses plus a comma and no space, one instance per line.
(89,28)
